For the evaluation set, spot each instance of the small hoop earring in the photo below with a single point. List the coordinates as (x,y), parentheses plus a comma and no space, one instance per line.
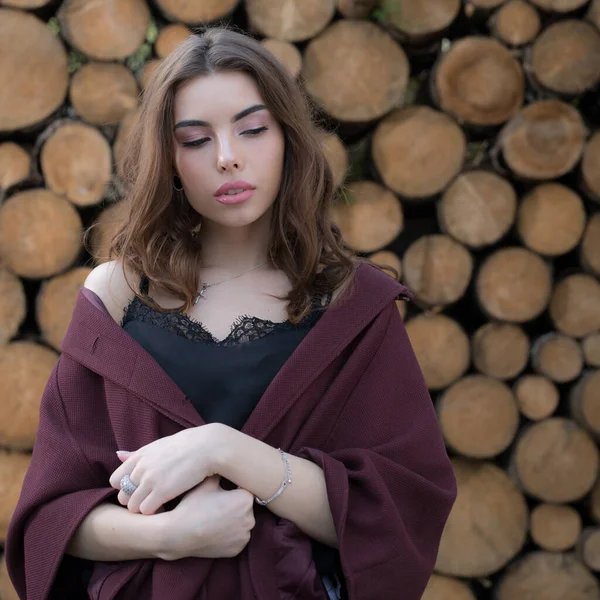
(177,178)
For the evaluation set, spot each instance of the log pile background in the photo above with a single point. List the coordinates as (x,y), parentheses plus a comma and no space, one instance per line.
(465,140)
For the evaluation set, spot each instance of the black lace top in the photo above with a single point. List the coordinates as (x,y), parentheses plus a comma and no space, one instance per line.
(224,379)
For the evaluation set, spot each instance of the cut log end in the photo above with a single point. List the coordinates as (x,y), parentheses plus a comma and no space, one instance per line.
(196,13)
(437,269)
(588,548)
(418,171)
(7,590)
(551,219)
(369,217)
(421,22)
(104,30)
(385,258)
(479,82)
(357,9)
(547,575)
(77,163)
(516,23)
(514,285)
(558,357)
(40,233)
(169,38)
(478,208)
(478,416)
(589,251)
(590,167)
(559,6)
(30,53)
(500,350)
(25,368)
(15,164)
(337,157)
(555,460)
(55,304)
(575,305)
(584,404)
(565,58)
(591,349)
(447,588)
(332,60)
(544,141)
(13,305)
(104,229)
(102,93)
(555,527)
(537,396)
(286,53)
(487,526)
(294,22)
(442,349)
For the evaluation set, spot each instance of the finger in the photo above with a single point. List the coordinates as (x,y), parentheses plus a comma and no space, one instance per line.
(123,455)
(126,467)
(136,499)
(151,504)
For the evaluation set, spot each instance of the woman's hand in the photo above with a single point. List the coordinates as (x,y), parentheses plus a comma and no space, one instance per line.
(166,468)
(208,522)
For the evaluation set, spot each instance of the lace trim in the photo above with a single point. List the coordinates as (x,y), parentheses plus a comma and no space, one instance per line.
(245,328)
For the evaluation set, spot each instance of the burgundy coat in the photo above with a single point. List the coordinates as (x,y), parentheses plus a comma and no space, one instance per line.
(351,398)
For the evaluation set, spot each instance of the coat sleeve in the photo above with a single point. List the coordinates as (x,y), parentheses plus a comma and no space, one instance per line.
(389,479)
(60,488)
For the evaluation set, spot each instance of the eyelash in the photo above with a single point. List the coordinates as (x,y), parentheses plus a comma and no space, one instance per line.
(251,132)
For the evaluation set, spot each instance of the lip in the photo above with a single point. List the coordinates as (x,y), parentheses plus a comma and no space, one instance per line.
(234,185)
(235,198)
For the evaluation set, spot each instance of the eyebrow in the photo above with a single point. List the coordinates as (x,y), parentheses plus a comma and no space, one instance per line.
(237,117)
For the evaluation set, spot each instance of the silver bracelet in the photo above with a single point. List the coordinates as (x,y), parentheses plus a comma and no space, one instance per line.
(287,479)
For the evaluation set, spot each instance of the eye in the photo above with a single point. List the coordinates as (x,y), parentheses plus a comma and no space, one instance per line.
(255,131)
(196,142)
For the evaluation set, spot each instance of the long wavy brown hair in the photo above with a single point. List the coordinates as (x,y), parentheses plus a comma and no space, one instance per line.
(157,238)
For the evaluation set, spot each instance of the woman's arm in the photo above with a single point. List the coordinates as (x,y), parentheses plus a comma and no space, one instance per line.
(112,533)
(258,468)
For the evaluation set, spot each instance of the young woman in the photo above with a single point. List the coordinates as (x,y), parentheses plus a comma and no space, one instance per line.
(279,440)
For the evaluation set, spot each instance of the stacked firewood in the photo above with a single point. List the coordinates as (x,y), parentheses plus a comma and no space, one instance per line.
(464,137)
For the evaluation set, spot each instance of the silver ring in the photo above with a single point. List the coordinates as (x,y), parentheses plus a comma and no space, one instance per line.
(127,485)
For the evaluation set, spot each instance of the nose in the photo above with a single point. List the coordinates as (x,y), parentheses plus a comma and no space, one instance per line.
(228,158)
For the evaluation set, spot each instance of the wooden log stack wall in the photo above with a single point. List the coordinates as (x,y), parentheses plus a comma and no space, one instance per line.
(464,137)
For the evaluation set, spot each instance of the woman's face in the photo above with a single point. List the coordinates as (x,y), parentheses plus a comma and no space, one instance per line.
(224,134)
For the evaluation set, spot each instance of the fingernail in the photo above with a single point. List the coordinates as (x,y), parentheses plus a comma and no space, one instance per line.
(122,451)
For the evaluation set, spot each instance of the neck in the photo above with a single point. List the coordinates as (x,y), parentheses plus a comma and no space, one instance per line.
(233,249)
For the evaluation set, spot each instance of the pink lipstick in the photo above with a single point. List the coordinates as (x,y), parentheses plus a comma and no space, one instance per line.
(234,192)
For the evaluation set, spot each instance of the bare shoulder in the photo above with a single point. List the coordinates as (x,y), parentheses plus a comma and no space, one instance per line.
(109,281)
